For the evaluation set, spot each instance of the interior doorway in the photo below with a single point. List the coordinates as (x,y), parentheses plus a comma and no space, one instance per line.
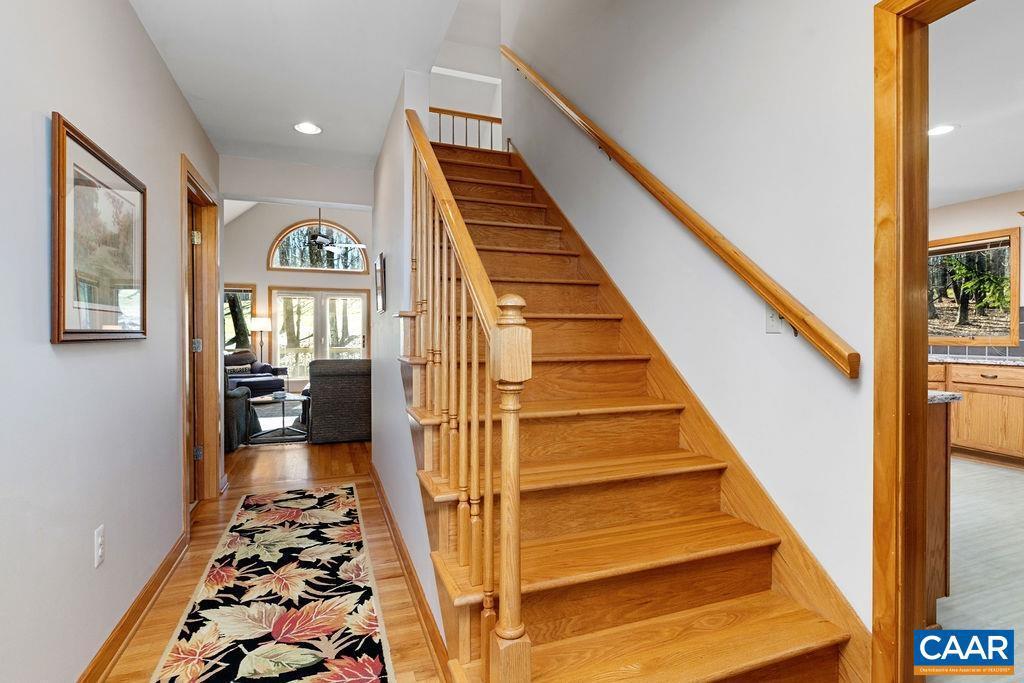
(203,461)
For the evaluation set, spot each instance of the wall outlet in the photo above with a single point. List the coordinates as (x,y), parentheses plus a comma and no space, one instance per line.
(772,321)
(99,546)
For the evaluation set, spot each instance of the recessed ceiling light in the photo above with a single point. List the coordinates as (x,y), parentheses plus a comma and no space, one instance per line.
(308,128)
(942,129)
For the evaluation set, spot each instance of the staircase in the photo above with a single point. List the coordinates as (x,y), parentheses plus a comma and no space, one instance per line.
(632,566)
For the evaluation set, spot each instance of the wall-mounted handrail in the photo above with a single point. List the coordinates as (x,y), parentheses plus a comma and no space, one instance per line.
(820,335)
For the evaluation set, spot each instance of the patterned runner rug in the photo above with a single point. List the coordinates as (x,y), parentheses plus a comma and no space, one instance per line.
(289,595)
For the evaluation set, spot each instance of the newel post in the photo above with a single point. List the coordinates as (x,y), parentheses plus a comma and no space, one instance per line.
(511,364)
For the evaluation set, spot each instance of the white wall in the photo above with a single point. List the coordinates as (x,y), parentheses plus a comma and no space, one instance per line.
(392,439)
(281,181)
(978,215)
(94,436)
(768,133)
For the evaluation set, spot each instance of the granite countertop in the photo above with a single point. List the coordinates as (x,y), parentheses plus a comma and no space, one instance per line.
(944,396)
(976,360)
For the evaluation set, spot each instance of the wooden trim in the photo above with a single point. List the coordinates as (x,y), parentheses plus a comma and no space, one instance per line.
(820,335)
(254,288)
(465,114)
(901,340)
(438,651)
(195,189)
(485,301)
(271,289)
(1013,339)
(61,130)
(103,662)
(795,570)
(313,221)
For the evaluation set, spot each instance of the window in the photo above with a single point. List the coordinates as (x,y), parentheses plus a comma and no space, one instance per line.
(298,248)
(236,317)
(315,324)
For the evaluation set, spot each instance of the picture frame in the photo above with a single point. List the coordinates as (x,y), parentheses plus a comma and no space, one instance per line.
(380,282)
(98,261)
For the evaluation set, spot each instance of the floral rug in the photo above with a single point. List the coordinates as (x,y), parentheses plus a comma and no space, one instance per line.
(287,596)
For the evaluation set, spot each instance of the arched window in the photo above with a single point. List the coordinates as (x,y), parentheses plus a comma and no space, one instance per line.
(317,245)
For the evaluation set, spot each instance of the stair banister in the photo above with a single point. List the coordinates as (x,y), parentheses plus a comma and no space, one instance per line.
(820,335)
(457,312)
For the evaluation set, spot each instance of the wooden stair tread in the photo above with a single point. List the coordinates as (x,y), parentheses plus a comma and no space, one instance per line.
(513,224)
(557,358)
(567,316)
(584,472)
(708,643)
(558,561)
(570,407)
(481,164)
(486,181)
(504,202)
(543,280)
(528,250)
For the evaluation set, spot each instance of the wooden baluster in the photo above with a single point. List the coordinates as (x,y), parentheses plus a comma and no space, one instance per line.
(487,614)
(436,312)
(413,265)
(511,351)
(452,379)
(442,438)
(421,261)
(428,302)
(463,508)
(476,531)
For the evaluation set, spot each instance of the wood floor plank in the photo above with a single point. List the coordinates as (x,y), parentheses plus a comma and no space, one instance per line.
(275,467)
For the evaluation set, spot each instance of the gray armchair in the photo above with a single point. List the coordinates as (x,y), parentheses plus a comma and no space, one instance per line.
(339,405)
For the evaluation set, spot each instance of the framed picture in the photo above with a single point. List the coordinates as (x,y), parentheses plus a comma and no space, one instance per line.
(380,282)
(99,243)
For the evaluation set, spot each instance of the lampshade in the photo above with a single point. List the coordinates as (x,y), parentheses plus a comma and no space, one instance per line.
(260,325)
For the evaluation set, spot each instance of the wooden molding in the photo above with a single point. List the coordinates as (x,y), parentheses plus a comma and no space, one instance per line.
(901,339)
(1013,235)
(820,335)
(797,573)
(313,221)
(438,651)
(104,661)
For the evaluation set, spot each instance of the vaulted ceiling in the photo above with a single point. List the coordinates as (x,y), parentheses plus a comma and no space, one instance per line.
(251,69)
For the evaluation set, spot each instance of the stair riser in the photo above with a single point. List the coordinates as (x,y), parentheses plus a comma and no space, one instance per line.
(822,665)
(501,212)
(505,264)
(454,168)
(553,298)
(597,379)
(573,509)
(554,336)
(494,236)
(486,191)
(579,436)
(472,154)
(592,606)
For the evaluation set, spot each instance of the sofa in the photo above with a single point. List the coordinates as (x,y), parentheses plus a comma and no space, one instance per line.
(339,401)
(243,369)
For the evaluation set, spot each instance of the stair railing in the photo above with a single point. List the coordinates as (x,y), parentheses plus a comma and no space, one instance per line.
(464,128)
(820,335)
(460,324)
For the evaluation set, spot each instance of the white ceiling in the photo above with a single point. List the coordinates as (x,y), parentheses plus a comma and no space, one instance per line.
(977,81)
(251,69)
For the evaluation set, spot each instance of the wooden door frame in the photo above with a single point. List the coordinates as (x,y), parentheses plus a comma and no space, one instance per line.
(211,480)
(901,329)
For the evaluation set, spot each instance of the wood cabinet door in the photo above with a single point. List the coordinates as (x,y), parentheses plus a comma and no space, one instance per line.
(989,422)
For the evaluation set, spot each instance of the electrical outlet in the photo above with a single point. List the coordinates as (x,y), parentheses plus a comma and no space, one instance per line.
(772,321)
(99,546)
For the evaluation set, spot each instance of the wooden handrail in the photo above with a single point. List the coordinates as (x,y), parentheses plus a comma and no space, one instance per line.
(473,273)
(465,114)
(820,335)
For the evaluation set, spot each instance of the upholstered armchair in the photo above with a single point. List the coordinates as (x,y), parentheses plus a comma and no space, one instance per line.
(243,369)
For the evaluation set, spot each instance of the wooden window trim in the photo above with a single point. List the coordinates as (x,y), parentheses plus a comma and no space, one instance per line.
(313,221)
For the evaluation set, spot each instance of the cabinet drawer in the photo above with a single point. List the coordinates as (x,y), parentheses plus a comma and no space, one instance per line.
(936,372)
(988,375)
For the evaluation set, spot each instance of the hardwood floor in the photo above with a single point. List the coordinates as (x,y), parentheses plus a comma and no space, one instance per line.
(268,468)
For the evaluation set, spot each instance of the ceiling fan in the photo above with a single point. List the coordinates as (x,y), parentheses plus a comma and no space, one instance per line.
(320,241)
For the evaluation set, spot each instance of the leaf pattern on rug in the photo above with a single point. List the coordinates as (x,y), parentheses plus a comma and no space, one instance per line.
(287,597)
